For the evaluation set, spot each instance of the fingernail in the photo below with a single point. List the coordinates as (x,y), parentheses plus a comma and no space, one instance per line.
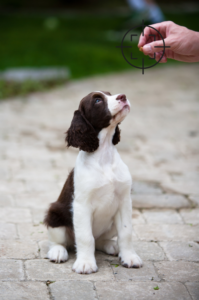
(147,48)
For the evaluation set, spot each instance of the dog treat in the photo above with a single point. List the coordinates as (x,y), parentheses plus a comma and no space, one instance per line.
(141,49)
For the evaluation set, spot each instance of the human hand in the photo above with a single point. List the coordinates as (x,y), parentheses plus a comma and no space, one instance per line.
(184,43)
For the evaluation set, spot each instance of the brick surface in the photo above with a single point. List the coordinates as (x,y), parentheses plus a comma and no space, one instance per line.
(4,173)
(184,188)
(43,248)
(73,290)
(190,216)
(15,215)
(11,186)
(38,215)
(178,271)
(145,188)
(45,270)
(193,288)
(23,290)
(36,232)
(11,269)
(32,174)
(18,249)
(149,250)
(37,201)
(181,250)
(159,201)
(146,273)
(167,232)
(141,290)
(8,231)
(6,200)
(41,186)
(194,199)
(155,216)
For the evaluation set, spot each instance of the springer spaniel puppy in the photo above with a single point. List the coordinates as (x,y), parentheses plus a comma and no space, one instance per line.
(95,203)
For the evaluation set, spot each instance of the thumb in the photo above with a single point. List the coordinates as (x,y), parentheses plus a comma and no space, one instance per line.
(151,47)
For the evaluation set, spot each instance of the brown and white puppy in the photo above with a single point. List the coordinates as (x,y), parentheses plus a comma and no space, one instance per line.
(95,203)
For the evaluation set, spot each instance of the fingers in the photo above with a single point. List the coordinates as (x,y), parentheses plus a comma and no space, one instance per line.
(154,47)
(158,57)
(161,27)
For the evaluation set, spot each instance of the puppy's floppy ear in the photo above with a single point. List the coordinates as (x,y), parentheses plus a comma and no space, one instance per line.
(116,136)
(81,134)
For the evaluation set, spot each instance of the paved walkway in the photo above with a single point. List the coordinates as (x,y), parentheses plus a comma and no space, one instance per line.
(160,144)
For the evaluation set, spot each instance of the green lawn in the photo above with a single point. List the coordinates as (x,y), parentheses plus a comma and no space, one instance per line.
(85,44)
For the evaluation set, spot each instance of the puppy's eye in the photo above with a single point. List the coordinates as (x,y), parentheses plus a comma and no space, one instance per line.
(98,100)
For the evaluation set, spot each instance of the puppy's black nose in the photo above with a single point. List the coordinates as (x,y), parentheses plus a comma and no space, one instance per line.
(121,97)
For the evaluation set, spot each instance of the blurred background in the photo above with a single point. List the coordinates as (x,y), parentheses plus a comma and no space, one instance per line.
(74,39)
(71,45)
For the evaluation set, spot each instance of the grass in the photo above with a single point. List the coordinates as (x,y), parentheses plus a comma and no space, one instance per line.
(83,43)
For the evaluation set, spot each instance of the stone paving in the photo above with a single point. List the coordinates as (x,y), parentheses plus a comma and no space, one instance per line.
(160,144)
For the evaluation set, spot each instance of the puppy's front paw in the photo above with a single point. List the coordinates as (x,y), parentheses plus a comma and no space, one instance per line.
(130,260)
(57,254)
(85,266)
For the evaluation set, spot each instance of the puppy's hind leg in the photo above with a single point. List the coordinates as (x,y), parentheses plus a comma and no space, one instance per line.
(105,244)
(59,239)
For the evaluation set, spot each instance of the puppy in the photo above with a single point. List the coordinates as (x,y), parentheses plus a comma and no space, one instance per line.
(95,203)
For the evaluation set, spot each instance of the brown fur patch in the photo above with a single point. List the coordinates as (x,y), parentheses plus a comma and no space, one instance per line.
(81,134)
(59,213)
(116,137)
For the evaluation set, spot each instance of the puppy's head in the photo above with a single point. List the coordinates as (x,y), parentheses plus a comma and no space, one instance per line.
(96,111)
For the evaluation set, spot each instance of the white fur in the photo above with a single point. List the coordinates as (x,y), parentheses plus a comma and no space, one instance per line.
(58,238)
(57,254)
(102,206)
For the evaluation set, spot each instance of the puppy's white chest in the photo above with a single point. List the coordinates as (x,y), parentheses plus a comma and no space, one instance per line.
(105,204)
(101,186)
(105,194)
